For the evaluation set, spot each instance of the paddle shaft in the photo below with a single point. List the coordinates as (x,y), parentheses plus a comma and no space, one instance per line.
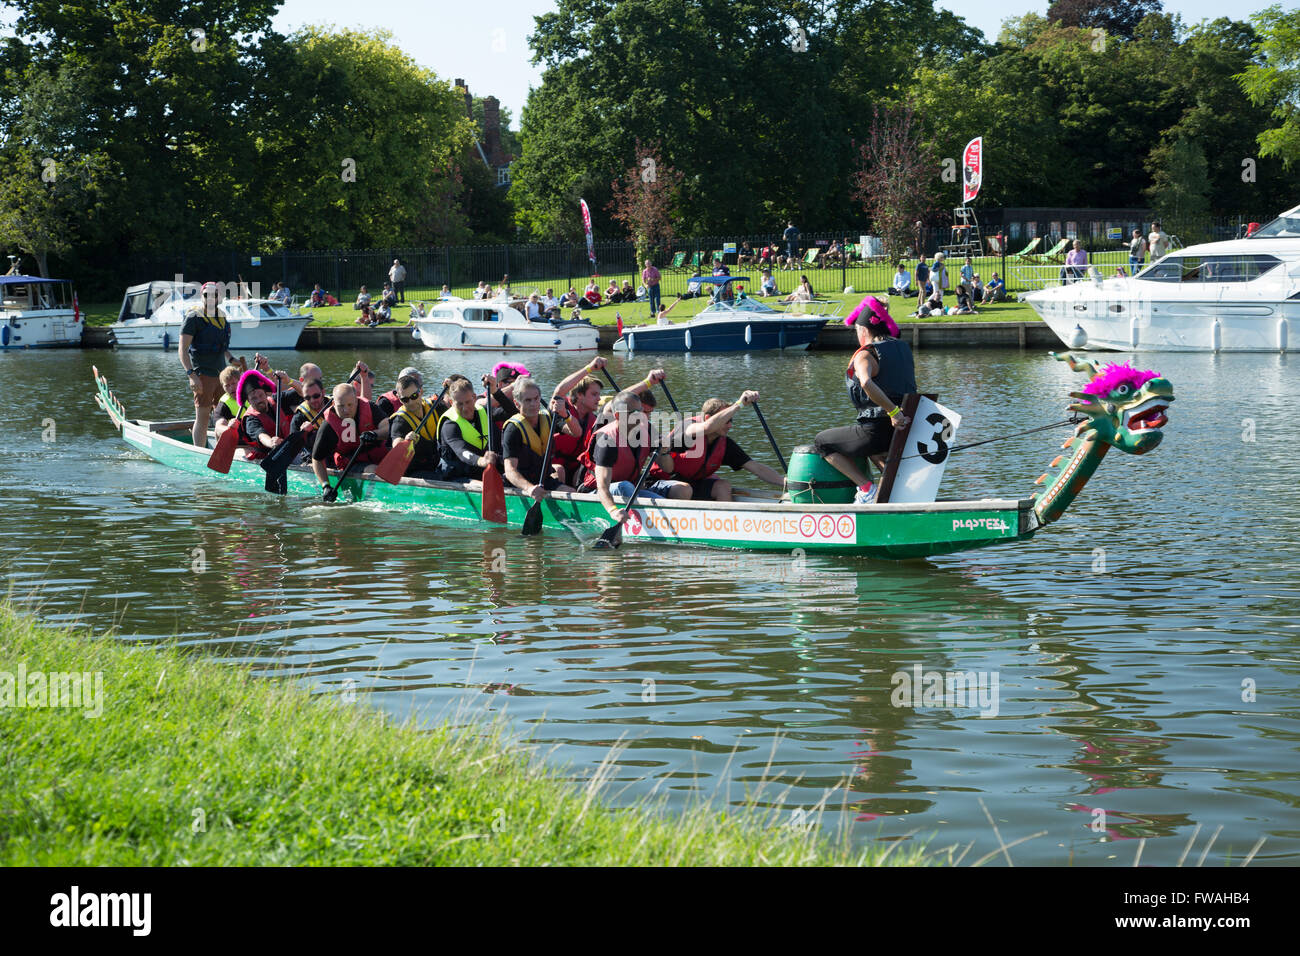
(532,520)
(344,473)
(763,421)
(616,532)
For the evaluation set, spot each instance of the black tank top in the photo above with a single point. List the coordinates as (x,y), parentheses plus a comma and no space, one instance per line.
(895,376)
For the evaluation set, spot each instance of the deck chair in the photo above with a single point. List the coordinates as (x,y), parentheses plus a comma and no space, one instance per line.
(1053,254)
(678,259)
(715,256)
(697,260)
(810,257)
(995,247)
(1025,253)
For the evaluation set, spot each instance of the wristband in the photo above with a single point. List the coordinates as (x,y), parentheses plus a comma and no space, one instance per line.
(896,412)
(189,372)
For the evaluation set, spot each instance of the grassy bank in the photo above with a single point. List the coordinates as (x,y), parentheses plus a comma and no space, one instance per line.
(197,762)
(343,316)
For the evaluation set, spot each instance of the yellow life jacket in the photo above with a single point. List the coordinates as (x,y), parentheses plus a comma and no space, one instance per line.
(427,431)
(475,439)
(535,441)
(231,404)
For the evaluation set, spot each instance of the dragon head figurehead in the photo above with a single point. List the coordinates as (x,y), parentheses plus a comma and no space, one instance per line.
(1123,407)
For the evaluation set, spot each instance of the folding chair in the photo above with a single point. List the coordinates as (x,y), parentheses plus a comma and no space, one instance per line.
(1026,253)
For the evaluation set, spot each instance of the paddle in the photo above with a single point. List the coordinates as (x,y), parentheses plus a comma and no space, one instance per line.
(277,483)
(612,384)
(533,520)
(763,421)
(494,492)
(613,537)
(278,462)
(395,463)
(224,453)
(334,489)
(669,396)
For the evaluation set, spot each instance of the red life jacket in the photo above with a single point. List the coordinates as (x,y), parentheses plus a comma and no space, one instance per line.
(626,468)
(696,463)
(567,449)
(365,422)
(394,399)
(253,450)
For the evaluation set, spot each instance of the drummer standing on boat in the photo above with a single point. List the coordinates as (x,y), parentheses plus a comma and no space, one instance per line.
(880,373)
(204,350)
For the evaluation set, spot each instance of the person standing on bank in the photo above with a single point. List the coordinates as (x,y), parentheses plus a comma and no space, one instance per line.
(880,373)
(397,276)
(204,350)
(650,279)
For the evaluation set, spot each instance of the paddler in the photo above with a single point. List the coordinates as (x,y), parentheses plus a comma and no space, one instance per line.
(313,401)
(702,446)
(350,423)
(463,435)
(391,400)
(880,373)
(228,405)
(412,409)
(618,453)
(263,424)
(525,436)
(581,395)
(204,350)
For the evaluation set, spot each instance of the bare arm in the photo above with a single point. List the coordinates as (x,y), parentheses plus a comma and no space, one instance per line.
(866,367)
(566,386)
(765,472)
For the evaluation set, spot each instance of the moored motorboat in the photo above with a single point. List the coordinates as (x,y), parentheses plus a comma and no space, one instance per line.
(1242,295)
(492,325)
(1122,408)
(37,313)
(152,315)
(733,321)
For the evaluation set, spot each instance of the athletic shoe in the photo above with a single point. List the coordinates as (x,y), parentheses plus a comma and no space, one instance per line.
(866,494)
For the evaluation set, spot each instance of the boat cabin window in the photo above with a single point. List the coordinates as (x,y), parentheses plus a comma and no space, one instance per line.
(480,315)
(136,305)
(1210,268)
(15,296)
(442,314)
(1285,226)
(270,311)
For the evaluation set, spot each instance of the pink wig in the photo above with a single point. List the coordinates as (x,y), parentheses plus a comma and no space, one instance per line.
(252,379)
(879,314)
(1114,375)
(512,366)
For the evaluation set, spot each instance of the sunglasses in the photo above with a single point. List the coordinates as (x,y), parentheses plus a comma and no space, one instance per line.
(412,397)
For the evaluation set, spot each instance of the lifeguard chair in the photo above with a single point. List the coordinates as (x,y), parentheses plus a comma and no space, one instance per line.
(965,240)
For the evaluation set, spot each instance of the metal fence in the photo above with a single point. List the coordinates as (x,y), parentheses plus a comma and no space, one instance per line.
(561,265)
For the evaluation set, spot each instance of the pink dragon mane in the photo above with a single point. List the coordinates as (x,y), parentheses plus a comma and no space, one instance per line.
(1115,375)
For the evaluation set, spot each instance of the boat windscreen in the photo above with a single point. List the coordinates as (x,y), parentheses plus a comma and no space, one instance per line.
(1285,226)
(1179,268)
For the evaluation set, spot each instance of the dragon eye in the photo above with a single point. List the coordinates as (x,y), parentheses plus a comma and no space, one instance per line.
(1123,389)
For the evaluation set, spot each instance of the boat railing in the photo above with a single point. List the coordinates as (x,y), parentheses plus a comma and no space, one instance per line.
(816,309)
(1032,278)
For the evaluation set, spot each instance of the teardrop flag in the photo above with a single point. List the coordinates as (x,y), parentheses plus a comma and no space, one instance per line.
(972,169)
(591,244)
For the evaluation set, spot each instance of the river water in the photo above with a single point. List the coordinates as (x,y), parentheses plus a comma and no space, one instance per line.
(1140,657)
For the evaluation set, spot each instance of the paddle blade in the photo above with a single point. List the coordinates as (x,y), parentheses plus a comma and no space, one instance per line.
(395,463)
(277,483)
(610,538)
(224,453)
(533,520)
(494,496)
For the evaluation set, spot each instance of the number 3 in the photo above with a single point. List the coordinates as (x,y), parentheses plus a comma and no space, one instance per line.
(942,435)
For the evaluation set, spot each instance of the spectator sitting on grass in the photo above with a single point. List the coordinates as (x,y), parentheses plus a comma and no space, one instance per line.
(902,284)
(964,306)
(317,297)
(977,289)
(630,294)
(388,296)
(384,313)
(768,286)
(592,296)
(804,292)
(363,299)
(612,292)
(996,290)
(365,318)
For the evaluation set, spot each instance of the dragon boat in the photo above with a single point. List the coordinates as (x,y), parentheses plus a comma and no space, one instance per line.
(1120,407)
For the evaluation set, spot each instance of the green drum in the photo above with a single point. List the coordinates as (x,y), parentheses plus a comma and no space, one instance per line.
(811,481)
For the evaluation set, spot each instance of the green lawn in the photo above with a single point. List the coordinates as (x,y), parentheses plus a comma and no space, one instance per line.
(196,762)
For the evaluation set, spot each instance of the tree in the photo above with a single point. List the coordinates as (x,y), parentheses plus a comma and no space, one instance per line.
(1180,194)
(1273,80)
(892,182)
(645,199)
(1116,17)
(45,200)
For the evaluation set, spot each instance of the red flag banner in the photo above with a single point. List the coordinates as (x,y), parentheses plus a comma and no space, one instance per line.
(586,224)
(972,163)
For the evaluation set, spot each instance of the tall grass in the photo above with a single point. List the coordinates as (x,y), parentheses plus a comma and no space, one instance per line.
(199,762)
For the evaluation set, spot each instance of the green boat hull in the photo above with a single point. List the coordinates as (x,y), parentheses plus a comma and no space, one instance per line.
(756,524)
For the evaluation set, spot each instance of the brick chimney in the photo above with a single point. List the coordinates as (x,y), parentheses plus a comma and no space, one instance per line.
(492,131)
(469,101)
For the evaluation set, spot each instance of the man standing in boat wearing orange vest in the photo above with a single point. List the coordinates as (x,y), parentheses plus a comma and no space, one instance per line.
(702,446)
